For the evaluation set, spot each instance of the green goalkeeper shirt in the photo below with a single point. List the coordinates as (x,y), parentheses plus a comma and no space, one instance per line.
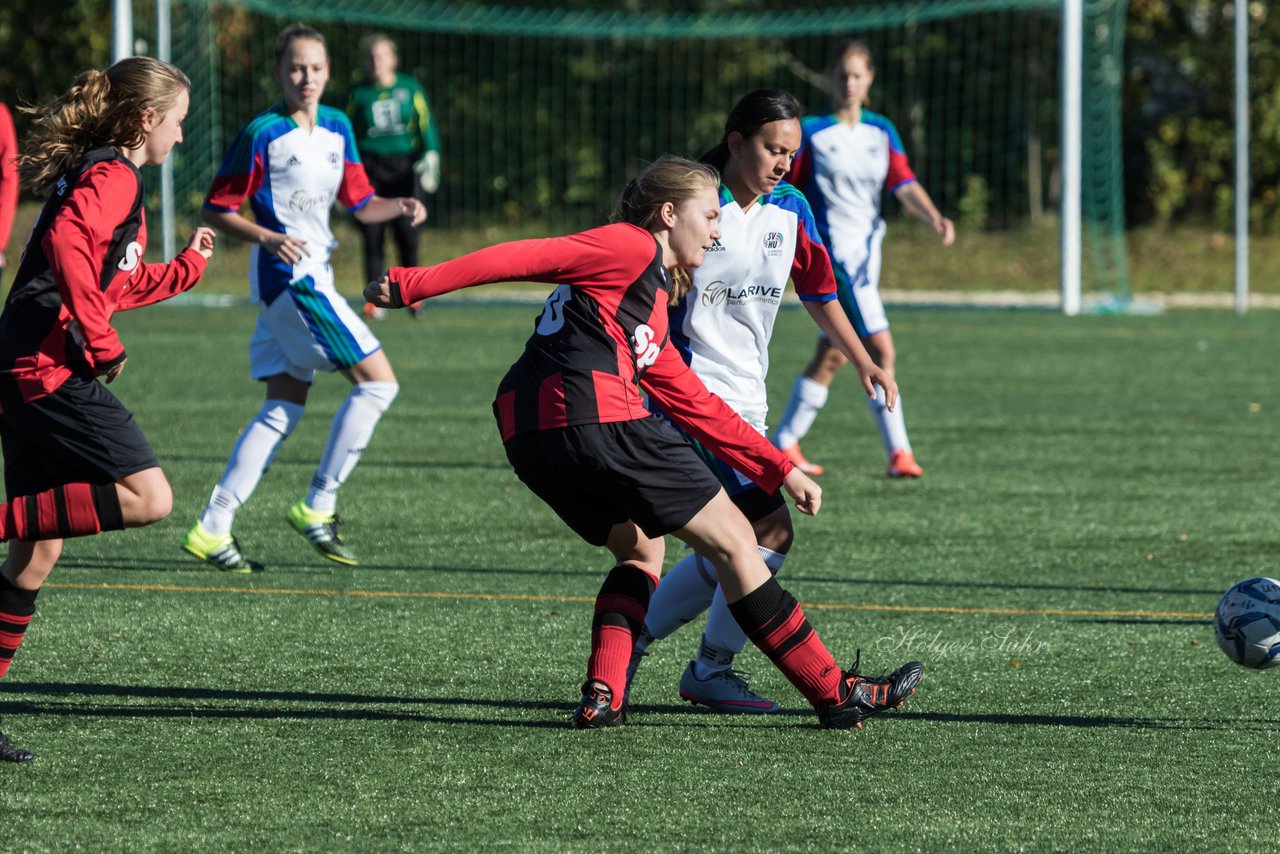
(393,120)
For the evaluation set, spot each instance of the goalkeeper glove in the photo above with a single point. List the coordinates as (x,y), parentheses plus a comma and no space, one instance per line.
(428,171)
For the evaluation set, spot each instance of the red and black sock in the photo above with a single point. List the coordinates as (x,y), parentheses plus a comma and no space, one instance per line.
(775,622)
(71,510)
(620,608)
(16,608)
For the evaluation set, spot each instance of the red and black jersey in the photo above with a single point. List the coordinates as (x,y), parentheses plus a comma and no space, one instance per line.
(83,262)
(602,337)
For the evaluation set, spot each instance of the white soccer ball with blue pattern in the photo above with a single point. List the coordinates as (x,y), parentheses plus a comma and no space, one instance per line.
(1247,623)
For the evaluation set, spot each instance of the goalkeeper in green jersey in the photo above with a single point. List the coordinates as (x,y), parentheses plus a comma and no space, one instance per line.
(396,135)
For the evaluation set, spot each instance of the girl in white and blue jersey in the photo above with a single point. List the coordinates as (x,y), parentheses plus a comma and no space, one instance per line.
(722,327)
(846,160)
(291,163)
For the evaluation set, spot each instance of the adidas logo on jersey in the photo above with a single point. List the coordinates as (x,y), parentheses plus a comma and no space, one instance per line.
(716,246)
(292,161)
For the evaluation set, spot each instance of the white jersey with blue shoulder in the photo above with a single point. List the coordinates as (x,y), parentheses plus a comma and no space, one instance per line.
(292,178)
(723,325)
(843,170)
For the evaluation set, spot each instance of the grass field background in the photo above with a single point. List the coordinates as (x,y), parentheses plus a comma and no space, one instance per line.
(1092,487)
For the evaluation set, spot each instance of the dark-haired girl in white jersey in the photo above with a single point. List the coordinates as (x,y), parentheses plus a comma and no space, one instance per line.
(722,327)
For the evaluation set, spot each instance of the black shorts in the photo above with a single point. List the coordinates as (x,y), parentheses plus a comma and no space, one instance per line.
(595,476)
(81,433)
(392,177)
(753,501)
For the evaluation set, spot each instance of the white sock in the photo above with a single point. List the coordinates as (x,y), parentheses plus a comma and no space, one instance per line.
(893,426)
(349,435)
(724,638)
(684,593)
(249,461)
(806,399)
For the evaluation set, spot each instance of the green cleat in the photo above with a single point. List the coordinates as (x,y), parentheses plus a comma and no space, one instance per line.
(222,552)
(321,529)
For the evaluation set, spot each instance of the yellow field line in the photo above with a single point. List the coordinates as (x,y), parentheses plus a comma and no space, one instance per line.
(516,597)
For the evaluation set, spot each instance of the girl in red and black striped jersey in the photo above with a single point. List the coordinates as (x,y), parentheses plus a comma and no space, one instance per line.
(578,434)
(75,461)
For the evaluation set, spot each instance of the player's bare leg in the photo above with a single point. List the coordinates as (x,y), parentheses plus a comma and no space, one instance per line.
(145,497)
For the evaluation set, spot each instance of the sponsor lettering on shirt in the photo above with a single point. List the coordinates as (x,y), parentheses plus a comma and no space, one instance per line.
(132,255)
(718,293)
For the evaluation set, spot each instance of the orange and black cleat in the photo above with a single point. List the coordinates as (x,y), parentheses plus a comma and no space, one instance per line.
(860,697)
(596,710)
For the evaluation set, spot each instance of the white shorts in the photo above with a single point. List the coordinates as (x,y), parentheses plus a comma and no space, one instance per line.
(857,270)
(308,328)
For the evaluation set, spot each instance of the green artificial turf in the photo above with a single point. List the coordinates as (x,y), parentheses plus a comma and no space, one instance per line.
(1092,486)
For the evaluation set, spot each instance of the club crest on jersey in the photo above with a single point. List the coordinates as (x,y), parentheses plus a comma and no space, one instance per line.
(333,159)
(132,255)
(646,348)
(773,243)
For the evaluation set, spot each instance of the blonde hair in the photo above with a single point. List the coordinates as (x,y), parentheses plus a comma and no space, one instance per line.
(101,109)
(668,179)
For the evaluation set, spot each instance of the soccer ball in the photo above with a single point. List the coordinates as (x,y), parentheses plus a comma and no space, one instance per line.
(1247,623)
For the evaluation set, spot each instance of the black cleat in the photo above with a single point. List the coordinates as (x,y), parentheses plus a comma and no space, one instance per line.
(596,710)
(860,697)
(9,753)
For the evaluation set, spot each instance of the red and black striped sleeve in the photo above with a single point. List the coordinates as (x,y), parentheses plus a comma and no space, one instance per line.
(678,392)
(76,246)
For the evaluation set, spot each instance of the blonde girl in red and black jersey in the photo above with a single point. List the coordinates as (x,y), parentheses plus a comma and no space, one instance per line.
(577,433)
(75,461)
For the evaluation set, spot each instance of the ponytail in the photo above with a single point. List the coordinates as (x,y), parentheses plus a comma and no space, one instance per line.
(102,108)
(752,112)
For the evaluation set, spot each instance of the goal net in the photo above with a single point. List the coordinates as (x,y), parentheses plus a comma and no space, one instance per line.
(544,113)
